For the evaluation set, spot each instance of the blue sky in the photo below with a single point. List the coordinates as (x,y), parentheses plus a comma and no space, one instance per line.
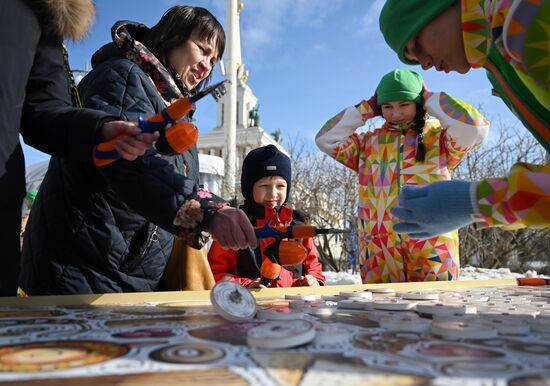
(307,60)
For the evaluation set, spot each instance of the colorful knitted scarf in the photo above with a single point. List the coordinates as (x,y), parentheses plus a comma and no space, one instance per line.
(135,51)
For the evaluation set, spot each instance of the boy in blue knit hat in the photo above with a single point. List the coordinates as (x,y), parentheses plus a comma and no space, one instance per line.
(265,184)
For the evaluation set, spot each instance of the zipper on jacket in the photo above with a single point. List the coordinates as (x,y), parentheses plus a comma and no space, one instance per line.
(152,239)
(399,159)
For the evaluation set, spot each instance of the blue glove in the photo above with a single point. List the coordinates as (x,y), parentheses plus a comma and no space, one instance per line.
(433,209)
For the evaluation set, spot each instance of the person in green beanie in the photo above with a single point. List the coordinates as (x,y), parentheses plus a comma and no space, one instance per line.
(408,149)
(510,40)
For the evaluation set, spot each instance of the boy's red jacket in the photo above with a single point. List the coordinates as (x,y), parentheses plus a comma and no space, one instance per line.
(233,266)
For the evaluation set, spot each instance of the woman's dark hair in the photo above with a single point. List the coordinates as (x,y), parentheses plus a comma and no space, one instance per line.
(177,25)
(418,127)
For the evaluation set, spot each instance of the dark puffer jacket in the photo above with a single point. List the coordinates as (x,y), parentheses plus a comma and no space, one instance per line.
(96,230)
(35,99)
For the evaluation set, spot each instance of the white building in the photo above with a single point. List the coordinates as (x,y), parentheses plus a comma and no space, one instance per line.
(211,172)
(249,133)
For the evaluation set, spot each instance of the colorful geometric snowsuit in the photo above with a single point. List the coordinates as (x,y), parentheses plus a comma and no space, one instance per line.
(511,40)
(385,160)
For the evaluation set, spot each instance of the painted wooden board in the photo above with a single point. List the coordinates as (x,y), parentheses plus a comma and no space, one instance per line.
(177,338)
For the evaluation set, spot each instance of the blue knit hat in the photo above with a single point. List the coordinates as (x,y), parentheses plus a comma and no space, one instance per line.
(263,162)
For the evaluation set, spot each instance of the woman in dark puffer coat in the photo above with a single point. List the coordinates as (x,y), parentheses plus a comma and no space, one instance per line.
(110,229)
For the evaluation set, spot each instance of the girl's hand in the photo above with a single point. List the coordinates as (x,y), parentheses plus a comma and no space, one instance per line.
(373,103)
(426,92)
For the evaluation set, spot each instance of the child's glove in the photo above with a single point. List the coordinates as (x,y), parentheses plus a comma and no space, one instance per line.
(433,209)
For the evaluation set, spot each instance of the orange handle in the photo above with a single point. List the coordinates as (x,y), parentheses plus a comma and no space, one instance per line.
(291,253)
(182,136)
(269,270)
(303,231)
(534,281)
(298,231)
(179,108)
(103,152)
(180,139)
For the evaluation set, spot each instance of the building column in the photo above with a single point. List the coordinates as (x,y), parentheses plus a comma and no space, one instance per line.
(230,112)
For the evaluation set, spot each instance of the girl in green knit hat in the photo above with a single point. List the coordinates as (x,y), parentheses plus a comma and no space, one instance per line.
(410,148)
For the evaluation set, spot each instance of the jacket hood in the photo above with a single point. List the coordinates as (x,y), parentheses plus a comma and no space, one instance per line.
(69,19)
(110,50)
(106,52)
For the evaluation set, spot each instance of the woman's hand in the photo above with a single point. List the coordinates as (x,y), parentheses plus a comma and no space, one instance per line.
(232,229)
(134,144)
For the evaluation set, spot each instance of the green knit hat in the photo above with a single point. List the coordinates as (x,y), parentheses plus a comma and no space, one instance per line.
(400,21)
(399,85)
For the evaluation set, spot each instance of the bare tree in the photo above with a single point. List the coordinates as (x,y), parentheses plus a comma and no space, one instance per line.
(327,192)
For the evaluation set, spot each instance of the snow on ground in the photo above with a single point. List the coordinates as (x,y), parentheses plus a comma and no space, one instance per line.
(340,278)
(473,273)
(466,273)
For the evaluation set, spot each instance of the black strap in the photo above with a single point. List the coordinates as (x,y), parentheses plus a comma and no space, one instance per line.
(75,96)
(249,262)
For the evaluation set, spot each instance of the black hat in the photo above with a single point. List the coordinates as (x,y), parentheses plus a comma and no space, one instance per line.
(263,162)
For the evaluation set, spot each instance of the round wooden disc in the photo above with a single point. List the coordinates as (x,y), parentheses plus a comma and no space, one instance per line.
(405,324)
(443,309)
(393,305)
(464,330)
(356,294)
(283,334)
(419,295)
(329,334)
(280,314)
(233,301)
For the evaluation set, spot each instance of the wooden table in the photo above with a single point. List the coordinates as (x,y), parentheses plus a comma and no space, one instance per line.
(177,338)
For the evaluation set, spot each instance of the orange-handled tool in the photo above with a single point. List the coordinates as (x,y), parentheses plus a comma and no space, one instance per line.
(286,253)
(283,253)
(179,137)
(294,231)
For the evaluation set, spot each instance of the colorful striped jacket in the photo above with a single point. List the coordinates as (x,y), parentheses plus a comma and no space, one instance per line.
(511,40)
